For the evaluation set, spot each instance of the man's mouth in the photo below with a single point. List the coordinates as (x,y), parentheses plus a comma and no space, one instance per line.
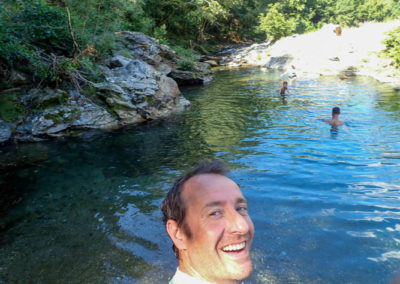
(234,248)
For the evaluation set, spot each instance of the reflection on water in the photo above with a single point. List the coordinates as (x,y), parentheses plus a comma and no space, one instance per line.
(325,202)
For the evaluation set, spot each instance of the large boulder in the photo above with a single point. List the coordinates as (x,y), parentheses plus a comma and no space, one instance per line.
(279,62)
(146,48)
(164,59)
(79,112)
(136,91)
(200,74)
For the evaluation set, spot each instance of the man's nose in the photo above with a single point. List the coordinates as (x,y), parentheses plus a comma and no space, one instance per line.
(237,223)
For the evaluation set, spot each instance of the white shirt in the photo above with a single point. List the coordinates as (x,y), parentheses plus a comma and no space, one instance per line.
(184,278)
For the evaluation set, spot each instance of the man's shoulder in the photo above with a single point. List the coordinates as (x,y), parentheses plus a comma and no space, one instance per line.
(181,277)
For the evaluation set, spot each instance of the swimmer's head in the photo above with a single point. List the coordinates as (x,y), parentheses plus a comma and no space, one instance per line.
(336,110)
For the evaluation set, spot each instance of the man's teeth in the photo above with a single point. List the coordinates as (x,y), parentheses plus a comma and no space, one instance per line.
(234,247)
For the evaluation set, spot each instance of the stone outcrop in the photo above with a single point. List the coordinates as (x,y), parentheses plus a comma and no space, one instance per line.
(140,83)
(5,131)
(323,53)
(77,112)
(164,59)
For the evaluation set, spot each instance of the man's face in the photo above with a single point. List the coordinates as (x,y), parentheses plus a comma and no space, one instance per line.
(222,231)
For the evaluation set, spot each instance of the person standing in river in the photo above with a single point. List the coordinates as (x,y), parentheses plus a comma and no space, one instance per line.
(206,217)
(334,121)
(284,88)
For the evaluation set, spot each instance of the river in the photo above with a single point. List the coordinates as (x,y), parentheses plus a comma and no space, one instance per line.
(325,202)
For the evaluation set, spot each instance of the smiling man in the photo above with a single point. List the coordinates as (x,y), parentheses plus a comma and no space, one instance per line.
(206,217)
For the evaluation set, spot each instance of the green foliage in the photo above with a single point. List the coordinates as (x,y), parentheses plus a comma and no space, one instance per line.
(352,12)
(43,25)
(393,46)
(27,29)
(188,57)
(346,12)
(10,107)
(160,33)
(375,10)
(186,64)
(275,24)
(186,53)
(35,36)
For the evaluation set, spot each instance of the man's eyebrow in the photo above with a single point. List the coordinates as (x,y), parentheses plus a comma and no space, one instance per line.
(241,200)
(221,203)
(214,203)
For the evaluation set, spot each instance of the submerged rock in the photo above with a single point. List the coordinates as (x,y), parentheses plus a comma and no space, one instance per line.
(5,131)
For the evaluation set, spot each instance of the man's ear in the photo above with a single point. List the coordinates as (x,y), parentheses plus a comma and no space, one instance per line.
(176,234)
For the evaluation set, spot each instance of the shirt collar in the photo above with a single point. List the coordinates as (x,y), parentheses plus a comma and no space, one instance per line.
(181,277)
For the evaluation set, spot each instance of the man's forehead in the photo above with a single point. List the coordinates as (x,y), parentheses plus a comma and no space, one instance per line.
(206,186)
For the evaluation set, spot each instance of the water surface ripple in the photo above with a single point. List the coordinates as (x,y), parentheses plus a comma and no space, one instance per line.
(325,202)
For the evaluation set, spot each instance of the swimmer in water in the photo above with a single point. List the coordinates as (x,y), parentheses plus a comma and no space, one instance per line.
(284,88)
(334,121)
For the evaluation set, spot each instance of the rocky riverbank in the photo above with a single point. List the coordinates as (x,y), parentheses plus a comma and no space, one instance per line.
(356,52)
(140,82)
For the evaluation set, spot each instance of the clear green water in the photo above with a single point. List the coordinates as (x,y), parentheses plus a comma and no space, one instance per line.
(325,203)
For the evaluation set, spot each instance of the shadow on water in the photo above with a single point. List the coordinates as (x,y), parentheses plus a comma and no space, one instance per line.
(324,203)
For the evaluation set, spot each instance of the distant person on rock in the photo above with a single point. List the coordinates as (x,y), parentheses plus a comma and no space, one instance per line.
(284,88)
(334,121)
(338,30)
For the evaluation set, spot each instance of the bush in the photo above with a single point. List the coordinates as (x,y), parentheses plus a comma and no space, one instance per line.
(375,10)
(188,57)
(44,26)
(28,31)
(160,33)
(275,24)
(186,64)
(393,46)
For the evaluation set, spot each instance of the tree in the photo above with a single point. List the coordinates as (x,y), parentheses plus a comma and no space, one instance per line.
(275,24)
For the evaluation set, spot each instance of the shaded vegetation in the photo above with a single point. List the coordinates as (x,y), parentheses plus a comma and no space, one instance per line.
(393,46)
(55,41)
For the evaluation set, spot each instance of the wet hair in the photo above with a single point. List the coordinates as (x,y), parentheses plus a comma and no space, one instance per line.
(284,82)
(336,110)
(173,206)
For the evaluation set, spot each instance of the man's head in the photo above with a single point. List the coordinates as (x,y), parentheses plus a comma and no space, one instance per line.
(285,83)
(336,110)
(206,217)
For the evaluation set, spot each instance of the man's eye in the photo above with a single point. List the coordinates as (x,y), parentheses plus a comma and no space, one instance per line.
(242,210)
(216,213)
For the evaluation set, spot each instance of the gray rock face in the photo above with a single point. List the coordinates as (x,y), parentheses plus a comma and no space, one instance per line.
(5,131)
(279,62)
(201,74)
(137,86)
(78,112)
(18,78)
(43,97)
(145,47)
(136,91)
(164,59)
(248,55)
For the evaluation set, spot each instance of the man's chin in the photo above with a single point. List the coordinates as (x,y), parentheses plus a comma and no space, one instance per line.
(240,270)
